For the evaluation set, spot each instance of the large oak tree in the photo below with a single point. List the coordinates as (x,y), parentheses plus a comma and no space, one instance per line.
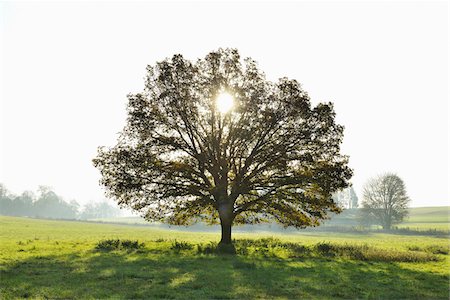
(181,159)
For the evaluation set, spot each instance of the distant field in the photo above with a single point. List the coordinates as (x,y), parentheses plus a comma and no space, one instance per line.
(58,259)
(424,218)
(437,214)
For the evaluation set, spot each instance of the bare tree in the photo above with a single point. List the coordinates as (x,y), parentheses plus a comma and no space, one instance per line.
(385,201)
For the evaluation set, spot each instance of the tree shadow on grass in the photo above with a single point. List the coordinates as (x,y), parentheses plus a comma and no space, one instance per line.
(148,275)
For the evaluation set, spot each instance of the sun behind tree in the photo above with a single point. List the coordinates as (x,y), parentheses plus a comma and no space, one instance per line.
(224,102)
(215,141)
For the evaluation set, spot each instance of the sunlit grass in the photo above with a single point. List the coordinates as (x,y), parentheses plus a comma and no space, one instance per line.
(56,259)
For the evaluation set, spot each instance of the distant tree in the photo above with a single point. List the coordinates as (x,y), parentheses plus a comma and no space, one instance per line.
(6,200)
(75,207)
(23,204)
(105,210)
(99,210)
(3,191)
(346,198)
(214,140)
(385,201)
(88,212)
(353,198)
(13,205)
(50,205)
(47,205)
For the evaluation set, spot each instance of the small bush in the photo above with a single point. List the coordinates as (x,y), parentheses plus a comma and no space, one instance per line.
(435,249)
(399,256)
(117,244)
(414,248)
(366,253)
(326,249)
(179,246)
(108,245)
(128,244)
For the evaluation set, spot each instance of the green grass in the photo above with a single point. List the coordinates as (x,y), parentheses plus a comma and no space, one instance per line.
(63,259)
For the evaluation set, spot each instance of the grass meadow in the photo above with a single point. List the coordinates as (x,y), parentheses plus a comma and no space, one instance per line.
(72,259)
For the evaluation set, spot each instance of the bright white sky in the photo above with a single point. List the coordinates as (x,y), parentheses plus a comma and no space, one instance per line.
(66,69)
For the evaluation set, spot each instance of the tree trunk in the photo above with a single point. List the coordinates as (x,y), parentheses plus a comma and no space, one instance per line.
(226,232)
(226,220)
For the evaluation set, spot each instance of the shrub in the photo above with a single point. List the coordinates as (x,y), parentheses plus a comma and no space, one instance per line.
(366,253)
(178,246)
(414,248)
(269,247)
(325,249)
(117,244)
(399,256)
(435,249)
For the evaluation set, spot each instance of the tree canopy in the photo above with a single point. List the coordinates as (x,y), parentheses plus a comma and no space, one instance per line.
(181,159)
